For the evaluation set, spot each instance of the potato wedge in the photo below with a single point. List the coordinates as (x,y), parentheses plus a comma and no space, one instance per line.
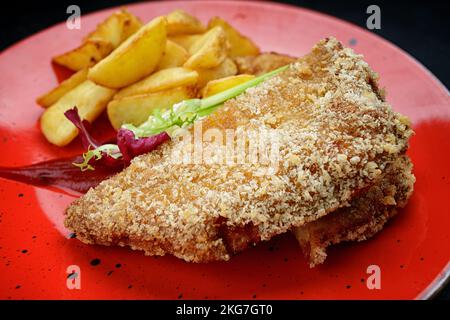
(219,85)
(137,109)
(180,22)
(49,98)
(134,59)
(86,55)
(225,69)
(116,28)
(209,51)
(173,56)
(240,45)
(186,40)
(131,24)
(160,80)
(89,98)
(196,45)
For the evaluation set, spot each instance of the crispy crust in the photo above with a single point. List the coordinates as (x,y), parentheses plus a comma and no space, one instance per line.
(366,215)
(262,63)
(337,136)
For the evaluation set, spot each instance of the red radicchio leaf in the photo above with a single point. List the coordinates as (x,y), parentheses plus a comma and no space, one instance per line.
(88,142)
(131,147)
(108,162)
(61,173)
(83,128)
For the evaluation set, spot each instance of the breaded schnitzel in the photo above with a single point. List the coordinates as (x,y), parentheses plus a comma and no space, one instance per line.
(367,213)
(364,217)
(338,137)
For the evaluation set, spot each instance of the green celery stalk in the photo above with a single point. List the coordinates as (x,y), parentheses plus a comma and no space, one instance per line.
(180,115)
(223,96)
(188,111)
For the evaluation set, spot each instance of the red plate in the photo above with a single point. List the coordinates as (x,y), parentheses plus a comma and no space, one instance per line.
(412,251)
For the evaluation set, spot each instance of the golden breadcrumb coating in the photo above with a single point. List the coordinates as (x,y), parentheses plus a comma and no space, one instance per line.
(337,137)
(262,63)
(366,215)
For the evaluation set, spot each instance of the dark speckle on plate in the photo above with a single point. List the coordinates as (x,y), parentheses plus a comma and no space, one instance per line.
(118,265)
(352,42)
(95,262)
(24,251)
(240,16)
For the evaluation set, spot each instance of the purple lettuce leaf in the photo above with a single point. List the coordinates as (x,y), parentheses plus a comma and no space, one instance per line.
(131,147)
(83,127)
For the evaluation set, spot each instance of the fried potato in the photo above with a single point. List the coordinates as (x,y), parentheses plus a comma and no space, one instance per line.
(173,56)
(160,80)
(131,24)
(186,40)
(86,55)
(116,28)
(211,35)
(180,22)
(137,109)
(240,45)
(134,59)
(90,99)
(99,43)
(209,51)
(219,85)
(49,98)
(225,69)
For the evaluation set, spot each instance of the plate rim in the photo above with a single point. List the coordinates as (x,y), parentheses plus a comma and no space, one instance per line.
(443,278)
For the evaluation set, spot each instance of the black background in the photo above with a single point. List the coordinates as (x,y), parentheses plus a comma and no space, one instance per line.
(422,28)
